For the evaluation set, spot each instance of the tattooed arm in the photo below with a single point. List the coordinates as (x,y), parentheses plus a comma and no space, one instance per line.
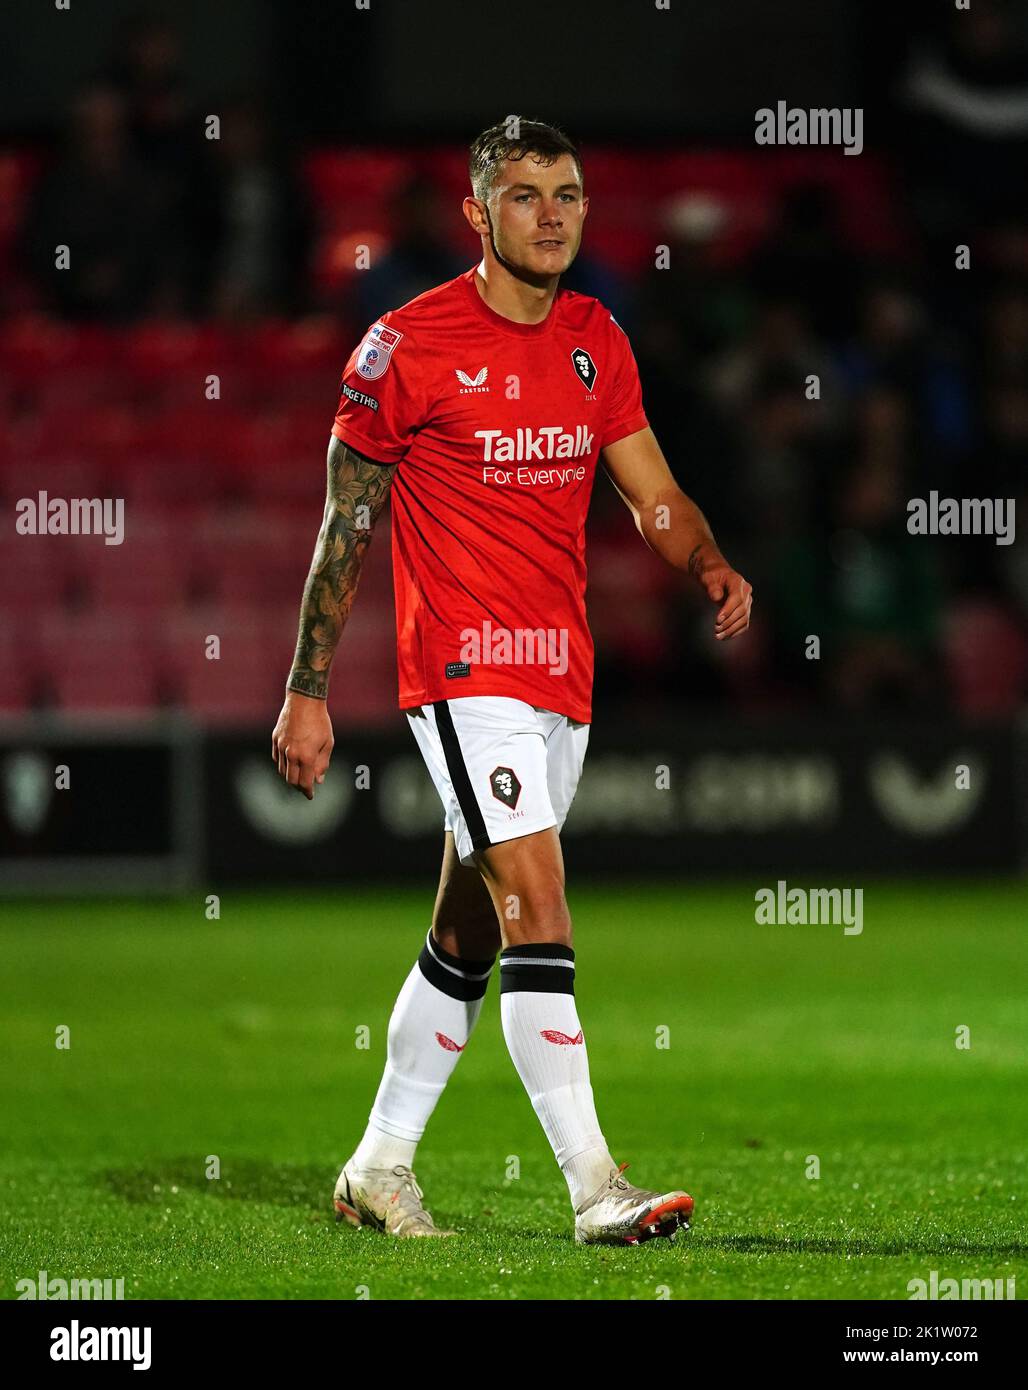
(357,491)
(301,744)
(671,524)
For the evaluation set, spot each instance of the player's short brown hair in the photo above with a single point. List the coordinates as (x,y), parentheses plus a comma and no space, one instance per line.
(514,138)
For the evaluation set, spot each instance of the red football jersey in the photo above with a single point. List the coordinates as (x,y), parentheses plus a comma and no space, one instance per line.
(497,427)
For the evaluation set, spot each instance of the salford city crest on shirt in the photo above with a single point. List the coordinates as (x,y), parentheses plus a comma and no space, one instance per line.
(585,367)
(376,350)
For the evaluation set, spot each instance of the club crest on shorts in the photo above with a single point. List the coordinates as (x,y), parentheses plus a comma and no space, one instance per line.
(376,350)
(584,366)
(504,785)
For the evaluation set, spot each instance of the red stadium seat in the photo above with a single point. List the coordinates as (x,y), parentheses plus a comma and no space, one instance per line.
(243,683)
(96,661)
(145,572)
(83,684)
(16,659)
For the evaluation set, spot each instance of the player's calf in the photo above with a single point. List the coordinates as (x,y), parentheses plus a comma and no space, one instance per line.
(525,879)
(464,921)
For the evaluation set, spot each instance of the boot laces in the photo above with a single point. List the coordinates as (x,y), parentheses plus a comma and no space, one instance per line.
(408,1187)
(616,1180)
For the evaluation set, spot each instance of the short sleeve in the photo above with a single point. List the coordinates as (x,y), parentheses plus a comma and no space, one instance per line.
(625,414)
(381,398)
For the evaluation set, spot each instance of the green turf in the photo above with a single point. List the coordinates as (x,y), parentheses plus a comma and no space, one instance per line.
(237,1038)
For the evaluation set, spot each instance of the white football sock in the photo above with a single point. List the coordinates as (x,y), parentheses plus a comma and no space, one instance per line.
(546,1043)
(431,1022)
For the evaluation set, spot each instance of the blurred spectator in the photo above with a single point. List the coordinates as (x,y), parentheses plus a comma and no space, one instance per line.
(590,275)
(778,340)
(868,591)
(898,346)
(1004,337)
(685,314)
(787,457)
(806,258)
(104,207)
(420,254)
(1002,469)
(696,306)
(147,71)
(250,223)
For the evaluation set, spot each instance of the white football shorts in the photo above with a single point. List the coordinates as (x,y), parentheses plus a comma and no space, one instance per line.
(502,768)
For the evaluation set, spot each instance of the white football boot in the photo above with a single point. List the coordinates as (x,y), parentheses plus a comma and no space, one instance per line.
(619,1214)
(389,1199)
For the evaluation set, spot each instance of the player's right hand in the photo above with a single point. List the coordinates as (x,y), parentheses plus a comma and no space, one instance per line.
(302,742)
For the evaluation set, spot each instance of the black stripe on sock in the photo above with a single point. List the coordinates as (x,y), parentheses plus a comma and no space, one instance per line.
(469,967)
(517,974)
(547,950)
(459,777)
(456,986)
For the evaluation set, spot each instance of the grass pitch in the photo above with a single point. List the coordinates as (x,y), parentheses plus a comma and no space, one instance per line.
(237,1038)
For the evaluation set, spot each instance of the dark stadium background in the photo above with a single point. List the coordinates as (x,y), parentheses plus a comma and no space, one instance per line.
(235,257)
(196,963)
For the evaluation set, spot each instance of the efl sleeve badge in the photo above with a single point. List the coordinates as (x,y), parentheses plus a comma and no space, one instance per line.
(376,350)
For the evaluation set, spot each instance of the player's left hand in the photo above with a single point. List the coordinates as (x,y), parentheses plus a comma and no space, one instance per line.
(734,594)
